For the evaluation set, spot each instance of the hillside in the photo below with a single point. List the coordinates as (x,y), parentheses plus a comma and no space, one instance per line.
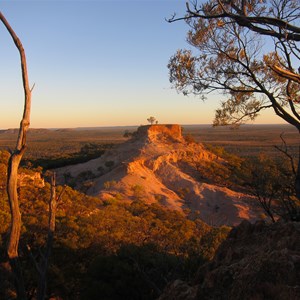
(159,165)
(122,245)
(256,261)
(117,250)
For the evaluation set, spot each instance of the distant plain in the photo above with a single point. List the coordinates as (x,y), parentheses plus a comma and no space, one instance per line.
(247,140)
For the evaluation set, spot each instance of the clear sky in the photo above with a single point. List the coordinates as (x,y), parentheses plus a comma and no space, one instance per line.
(97,63)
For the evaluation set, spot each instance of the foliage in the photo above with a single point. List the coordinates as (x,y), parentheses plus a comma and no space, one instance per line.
(85,175)
(223,170)
(127,134)
(109,164)
(272,183)
(109,184)
(189,139)
(182,192)
(211,241)
(232,58)
(97,246)
(130,251)
(151,120)
(87,152)
(138,191)
(135,271)
(269,180)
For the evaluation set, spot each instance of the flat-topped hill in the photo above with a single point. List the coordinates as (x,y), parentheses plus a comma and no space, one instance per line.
(159,166)
(168,131)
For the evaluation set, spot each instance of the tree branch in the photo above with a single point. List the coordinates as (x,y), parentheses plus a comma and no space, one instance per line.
(246,21)
(286,73)
(284,150)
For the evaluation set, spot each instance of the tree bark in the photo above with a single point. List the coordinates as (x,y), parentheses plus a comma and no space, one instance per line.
(12,172)
(42,285)
(297,181)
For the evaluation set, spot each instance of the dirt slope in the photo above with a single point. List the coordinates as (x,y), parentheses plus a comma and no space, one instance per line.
(158,165)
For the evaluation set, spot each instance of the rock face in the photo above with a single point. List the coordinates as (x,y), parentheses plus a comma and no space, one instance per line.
(257,261)
(173,132)
(158,165)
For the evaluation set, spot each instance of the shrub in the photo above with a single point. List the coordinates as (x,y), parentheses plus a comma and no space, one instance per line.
(138,191)
(189,139)
(109,184)
(109,164)
(182,192)
(85,175)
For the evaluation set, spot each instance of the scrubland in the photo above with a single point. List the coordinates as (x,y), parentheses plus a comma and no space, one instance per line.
(113,249)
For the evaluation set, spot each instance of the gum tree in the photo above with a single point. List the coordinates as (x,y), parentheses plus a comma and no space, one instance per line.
(151,120)
(15,158)
(12,172)
(247,50)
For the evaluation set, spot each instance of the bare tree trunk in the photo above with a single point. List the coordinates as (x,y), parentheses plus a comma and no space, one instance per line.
(41,265)
(12,172)
(15,229)
(42,285)
(297,181)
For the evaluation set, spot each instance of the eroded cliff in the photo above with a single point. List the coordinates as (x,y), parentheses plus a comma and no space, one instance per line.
(159,165)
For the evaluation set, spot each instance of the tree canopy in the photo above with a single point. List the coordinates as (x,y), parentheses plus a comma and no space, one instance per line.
(246,49)
(151,120)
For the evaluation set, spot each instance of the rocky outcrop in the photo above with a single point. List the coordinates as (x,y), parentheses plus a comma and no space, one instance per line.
(256,261)
(158,166)
(171,132)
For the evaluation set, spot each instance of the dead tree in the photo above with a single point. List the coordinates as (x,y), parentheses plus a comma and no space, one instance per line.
(41,265)
(42,270)
(12,172)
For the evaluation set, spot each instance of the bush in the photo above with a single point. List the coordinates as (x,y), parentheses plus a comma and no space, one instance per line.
(109,164)
(189,139)
(138,191)
(109,184)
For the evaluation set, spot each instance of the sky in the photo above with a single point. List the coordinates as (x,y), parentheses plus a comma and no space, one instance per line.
(97,63)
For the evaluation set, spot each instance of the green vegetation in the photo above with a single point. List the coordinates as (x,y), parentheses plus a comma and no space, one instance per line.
(131,251)
(123,251)
(109,164)
(189,139)
(127,134)
(272,183)
(86,153)
(138,191)
(270,180)
(232,56)
(152,120)
(248,140)
(182,192)
(57,148)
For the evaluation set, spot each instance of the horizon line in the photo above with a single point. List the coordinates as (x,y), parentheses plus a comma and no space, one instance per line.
(116,126)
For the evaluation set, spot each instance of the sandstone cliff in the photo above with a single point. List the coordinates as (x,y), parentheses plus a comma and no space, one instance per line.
(158,165)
